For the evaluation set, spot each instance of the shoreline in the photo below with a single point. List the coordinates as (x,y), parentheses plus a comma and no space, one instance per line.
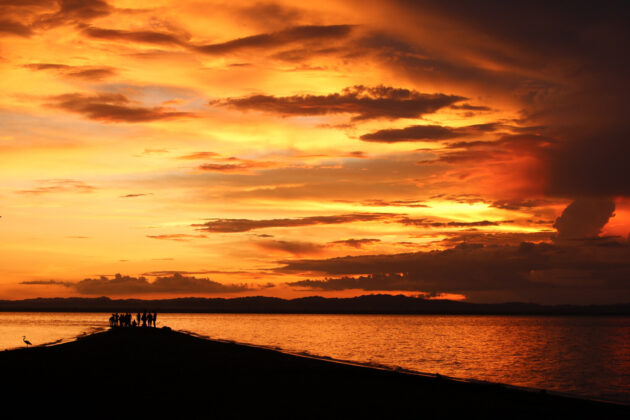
(201,366)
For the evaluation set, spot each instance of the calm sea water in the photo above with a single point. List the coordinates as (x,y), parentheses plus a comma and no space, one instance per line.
(580,355)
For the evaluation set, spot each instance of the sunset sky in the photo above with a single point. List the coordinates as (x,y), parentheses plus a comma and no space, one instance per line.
(469,150)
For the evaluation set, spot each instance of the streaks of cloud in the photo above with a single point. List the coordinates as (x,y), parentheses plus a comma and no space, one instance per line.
(245,225)
(432,224)
(362,102)
(113,108)
(48,186)
(77,72)
(357,243)
(147,37)
(302,34)
(135,195)
(180,237)
(292,247)
(425,133)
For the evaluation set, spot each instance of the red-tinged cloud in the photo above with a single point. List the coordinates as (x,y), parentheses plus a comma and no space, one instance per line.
(360,101)
(125,285)
(113,108)
(245,225)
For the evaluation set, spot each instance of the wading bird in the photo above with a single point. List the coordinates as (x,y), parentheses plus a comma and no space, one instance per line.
(28,343)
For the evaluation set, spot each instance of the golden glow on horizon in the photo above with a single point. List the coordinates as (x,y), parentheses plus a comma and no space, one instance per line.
(115,144)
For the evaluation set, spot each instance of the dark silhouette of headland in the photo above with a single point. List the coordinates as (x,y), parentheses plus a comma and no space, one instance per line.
(368,304)
(157,373)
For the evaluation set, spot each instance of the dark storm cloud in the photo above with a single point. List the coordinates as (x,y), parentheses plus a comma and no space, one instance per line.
(113,107)
(360,101)
(571,64)
(245,225)
(120,285)
(550,273)
(301,34)
(425,133)
(584,218)
(146,37)
(78,72)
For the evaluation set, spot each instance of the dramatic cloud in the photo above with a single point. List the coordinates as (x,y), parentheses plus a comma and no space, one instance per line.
(77,72)
(121,285)
(547,273)
(113,107)
(584,218)
(361,101)
(298,34)
(244,225)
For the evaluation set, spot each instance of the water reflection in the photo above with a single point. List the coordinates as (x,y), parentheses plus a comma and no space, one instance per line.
(584,355)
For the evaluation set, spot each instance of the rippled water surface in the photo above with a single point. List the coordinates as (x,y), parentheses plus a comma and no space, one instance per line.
(581,355)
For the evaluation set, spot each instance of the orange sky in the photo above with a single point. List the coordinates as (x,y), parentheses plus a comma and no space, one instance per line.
(226,140)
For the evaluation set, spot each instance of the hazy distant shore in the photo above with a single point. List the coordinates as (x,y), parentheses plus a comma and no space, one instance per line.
(158,369)
(368,304)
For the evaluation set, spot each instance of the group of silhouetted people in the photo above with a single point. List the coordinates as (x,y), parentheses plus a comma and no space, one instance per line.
(127,320)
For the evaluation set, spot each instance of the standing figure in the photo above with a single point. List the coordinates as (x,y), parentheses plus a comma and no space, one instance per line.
(150,319)
(144,319)
(154,319)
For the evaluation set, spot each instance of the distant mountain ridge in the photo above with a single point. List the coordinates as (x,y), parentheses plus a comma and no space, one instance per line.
(366,304)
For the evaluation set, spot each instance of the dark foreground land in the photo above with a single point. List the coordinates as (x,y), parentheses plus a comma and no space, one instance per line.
(157,373)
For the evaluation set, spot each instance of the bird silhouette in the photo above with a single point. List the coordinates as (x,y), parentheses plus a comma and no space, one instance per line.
(28,343)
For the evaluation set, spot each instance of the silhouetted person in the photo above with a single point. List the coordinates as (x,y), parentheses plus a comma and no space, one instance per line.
(150,319)
(154,319)
(138,316)
(144,319)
